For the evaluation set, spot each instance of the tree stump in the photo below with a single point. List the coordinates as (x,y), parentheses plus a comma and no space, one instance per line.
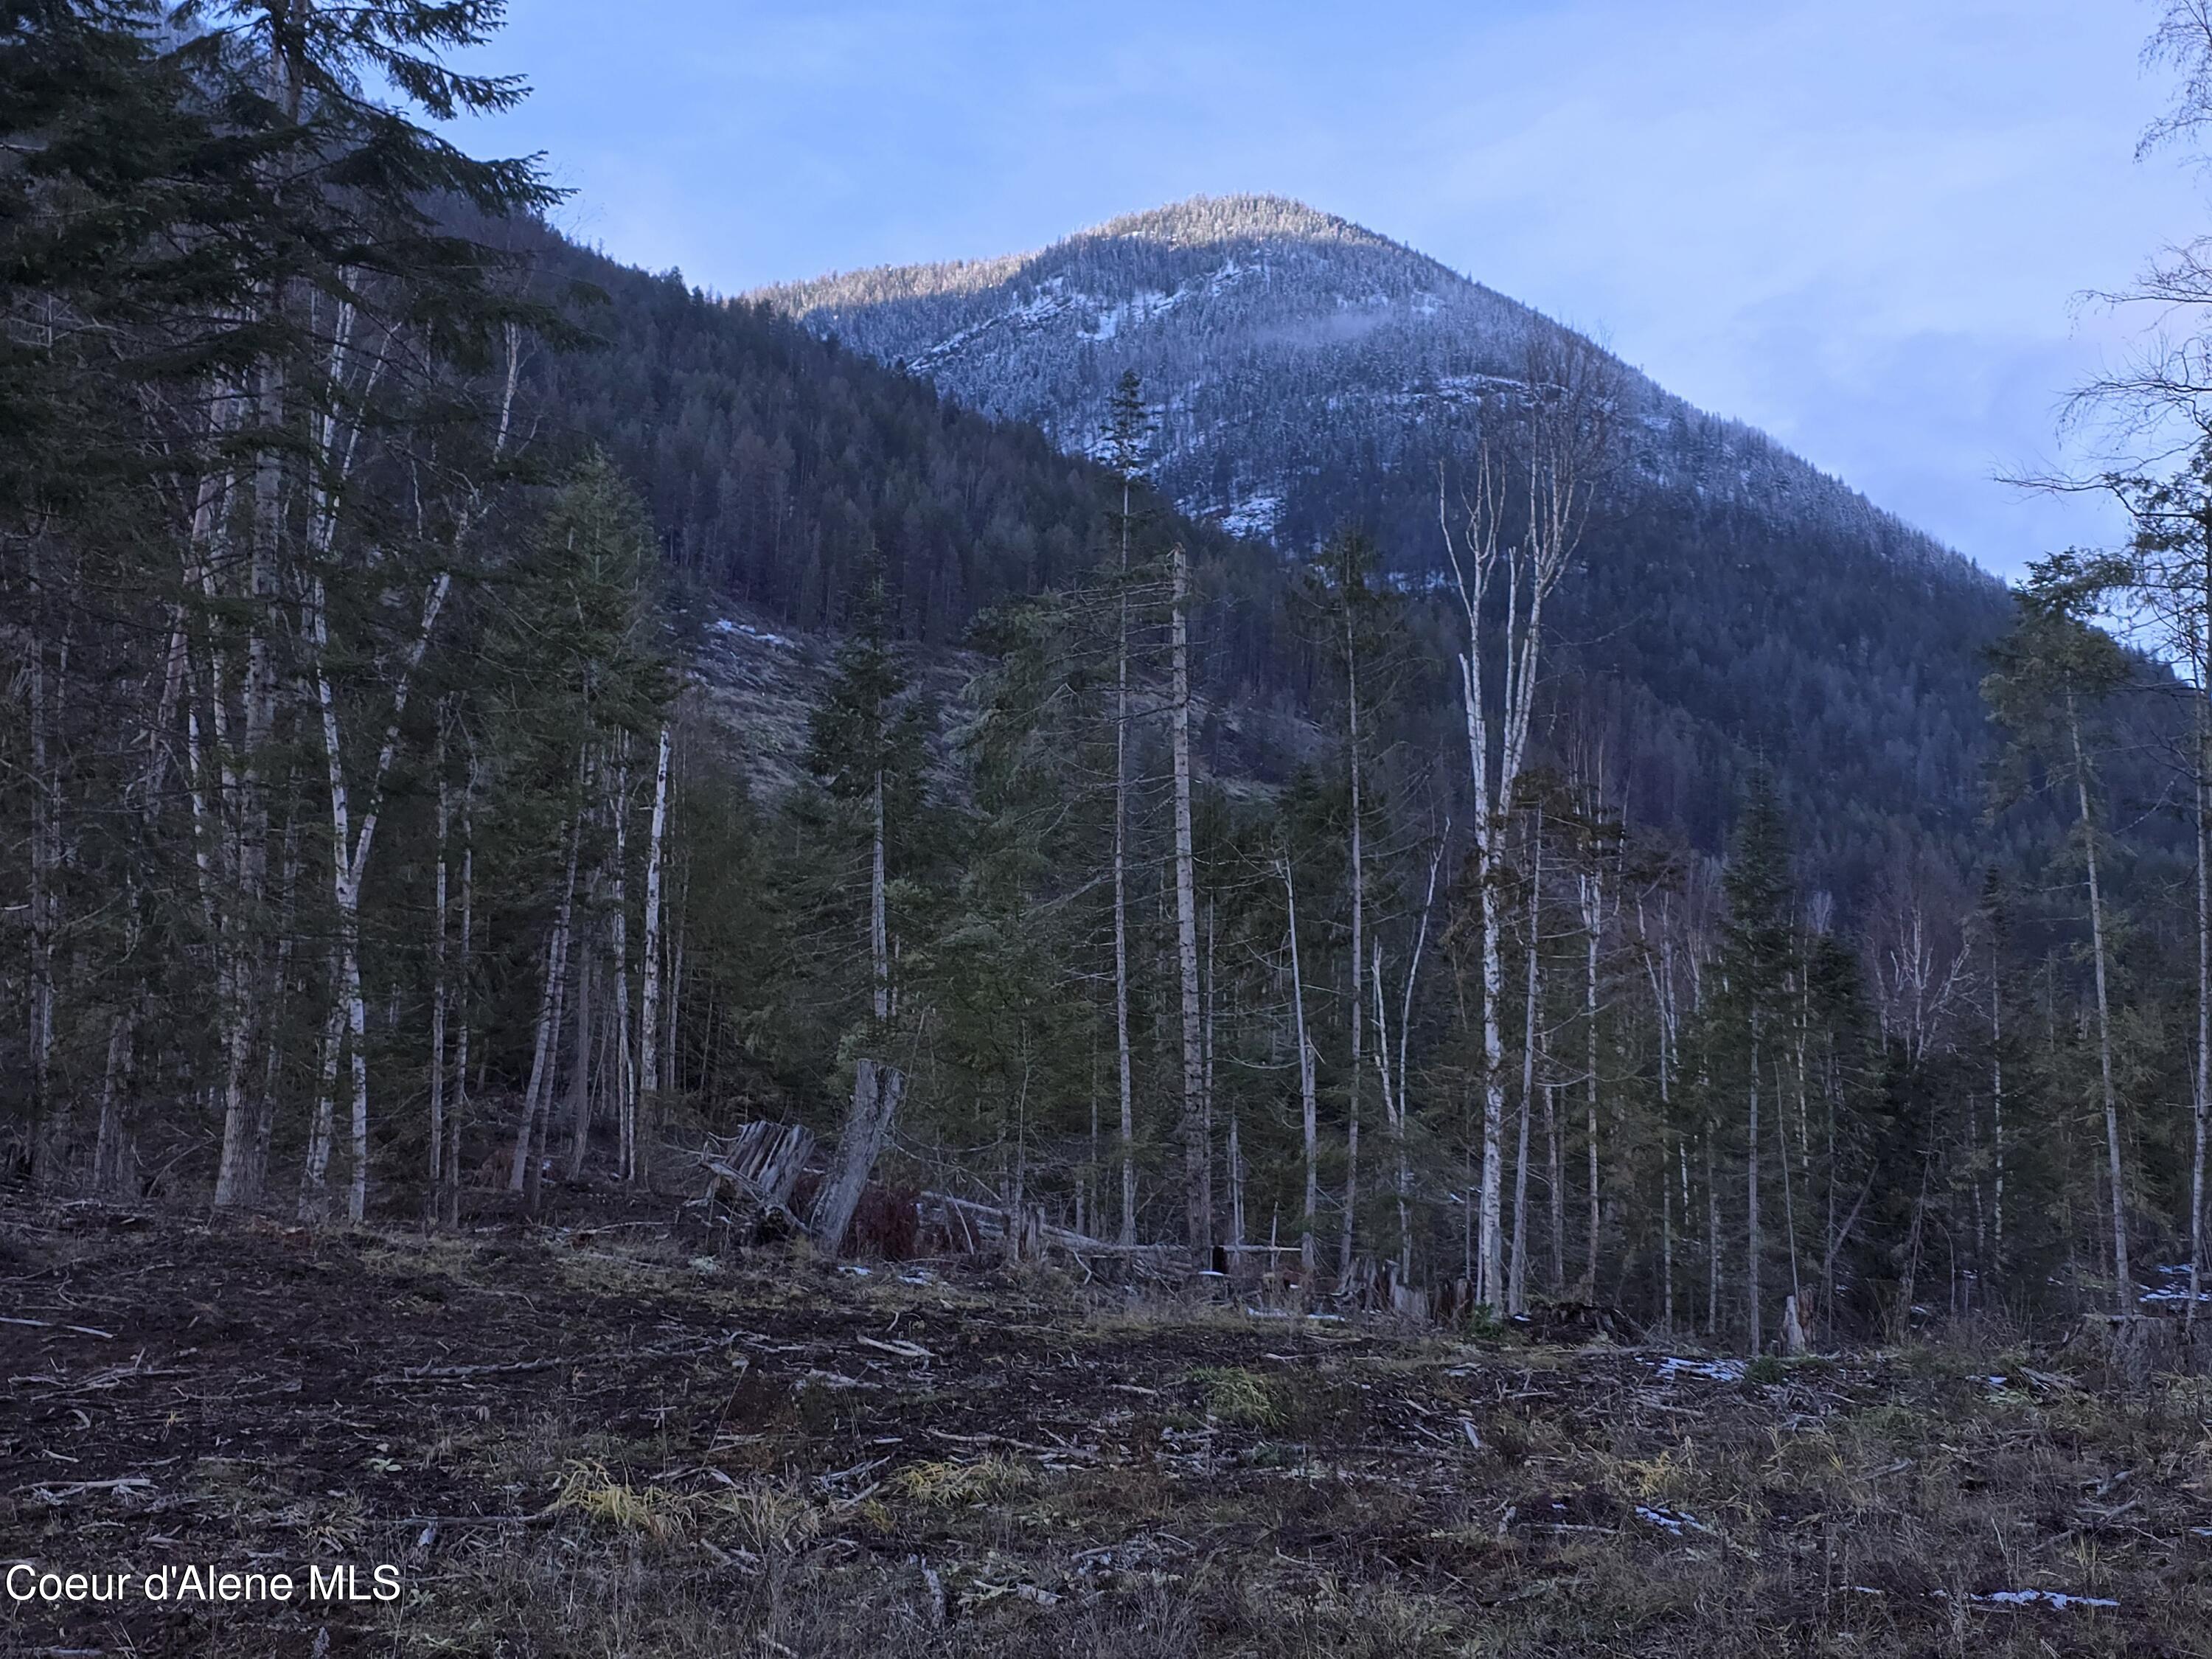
(1793,1329)
(2133,1348)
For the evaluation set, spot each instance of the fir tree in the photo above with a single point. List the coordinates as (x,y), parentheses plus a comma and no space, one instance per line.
(865,744)
(1756,960)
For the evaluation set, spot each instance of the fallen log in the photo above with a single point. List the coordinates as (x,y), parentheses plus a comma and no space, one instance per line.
(980,1222)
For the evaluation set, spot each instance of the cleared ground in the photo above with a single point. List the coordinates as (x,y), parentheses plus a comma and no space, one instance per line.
(591,1442)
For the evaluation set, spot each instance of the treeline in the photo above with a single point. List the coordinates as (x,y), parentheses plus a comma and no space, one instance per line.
(364,843)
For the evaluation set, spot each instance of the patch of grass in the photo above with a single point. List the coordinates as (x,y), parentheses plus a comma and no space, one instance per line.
(987,1480)
(590,1490)
(1240,1398)
(1670,1476)
(772,1519)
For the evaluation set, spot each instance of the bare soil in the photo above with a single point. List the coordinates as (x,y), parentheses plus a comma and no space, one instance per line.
(585,1440)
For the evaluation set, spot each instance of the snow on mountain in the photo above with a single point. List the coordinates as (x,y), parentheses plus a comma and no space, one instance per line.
(1305,370)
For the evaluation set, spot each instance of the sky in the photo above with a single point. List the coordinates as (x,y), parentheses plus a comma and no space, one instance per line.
(1867,228)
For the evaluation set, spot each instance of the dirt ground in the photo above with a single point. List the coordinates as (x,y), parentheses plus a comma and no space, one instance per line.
(588,1440)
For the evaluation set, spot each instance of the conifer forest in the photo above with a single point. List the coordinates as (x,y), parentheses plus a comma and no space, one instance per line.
(732,975)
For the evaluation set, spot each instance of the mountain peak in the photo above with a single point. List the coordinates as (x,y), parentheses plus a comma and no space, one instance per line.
(1204,221)
(1196,228)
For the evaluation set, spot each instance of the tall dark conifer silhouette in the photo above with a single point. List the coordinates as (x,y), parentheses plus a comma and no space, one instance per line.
(1756,960)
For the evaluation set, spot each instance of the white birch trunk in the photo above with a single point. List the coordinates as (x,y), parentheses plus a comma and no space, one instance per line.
(50,1117)
(314,1178)
(1592,890)
(457,1126)
(2202,1102)
(1517,1285)
(2122,1277)
(580,1079)
(628,1162)
(1123,1061)
(1311,1120)
(1198,1155)
(438,991)
(1997,1089)
(649,1026)
(542,1059)
(1752,1243)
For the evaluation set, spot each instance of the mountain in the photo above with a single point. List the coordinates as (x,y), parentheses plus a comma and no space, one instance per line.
(1279,344)
(1734,603)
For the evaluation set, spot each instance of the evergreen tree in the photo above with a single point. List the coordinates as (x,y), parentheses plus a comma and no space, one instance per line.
(1755,961)
(576,670)
(2050,674)
(865,744)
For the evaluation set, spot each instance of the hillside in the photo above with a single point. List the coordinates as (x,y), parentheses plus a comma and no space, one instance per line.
(1734,601)
(773,461)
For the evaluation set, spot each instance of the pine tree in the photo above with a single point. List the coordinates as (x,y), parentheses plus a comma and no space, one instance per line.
(1756,960)
(2051,674)
(865,744)
(576,666)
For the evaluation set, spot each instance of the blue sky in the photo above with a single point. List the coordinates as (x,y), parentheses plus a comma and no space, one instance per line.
(1863,227)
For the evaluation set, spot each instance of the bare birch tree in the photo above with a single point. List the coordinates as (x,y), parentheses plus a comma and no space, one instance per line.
(1519,530)
(1126,432)
(648,1024)
(1198,1151)
(1310,1112)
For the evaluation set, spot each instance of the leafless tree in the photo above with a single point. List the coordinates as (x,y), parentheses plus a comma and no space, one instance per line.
(1518,533)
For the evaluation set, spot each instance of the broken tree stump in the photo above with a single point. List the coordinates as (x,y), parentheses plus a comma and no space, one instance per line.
(2133,1348)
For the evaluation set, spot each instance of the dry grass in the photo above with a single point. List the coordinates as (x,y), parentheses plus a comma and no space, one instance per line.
(589,1491)
(780,1458)
(984,1479)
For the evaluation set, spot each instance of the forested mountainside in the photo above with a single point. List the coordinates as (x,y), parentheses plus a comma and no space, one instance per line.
(774,464)
(1731,601)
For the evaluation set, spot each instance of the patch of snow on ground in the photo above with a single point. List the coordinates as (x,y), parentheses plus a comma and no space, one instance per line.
(1252,517)
(2059,1599)
(723,625)
(2175,1291)
(1673,1520)
(1713,1371)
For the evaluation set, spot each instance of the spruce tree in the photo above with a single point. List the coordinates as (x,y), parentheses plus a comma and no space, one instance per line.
(865,744)
(1756,960)
(2051,674)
